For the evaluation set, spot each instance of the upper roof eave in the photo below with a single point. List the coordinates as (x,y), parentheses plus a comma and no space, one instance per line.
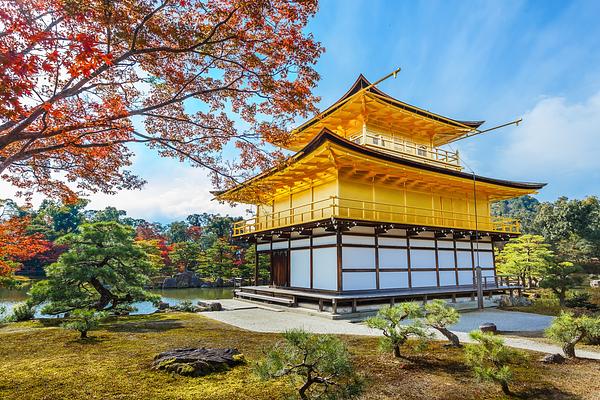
(326,135)
(362,83)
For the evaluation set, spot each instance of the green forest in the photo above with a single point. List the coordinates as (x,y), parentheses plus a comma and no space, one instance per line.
(200,243)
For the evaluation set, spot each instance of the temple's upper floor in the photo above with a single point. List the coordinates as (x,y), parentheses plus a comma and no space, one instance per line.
(372,118)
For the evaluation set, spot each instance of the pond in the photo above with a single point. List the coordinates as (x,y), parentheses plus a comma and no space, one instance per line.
(10,297)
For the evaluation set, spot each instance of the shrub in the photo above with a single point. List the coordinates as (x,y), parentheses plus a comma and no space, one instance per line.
(439,315)
(489,359)
(568,330)
(2,314)
(319,364)
(395,334)
(581,300)
(22,312)
(185,306)
(84,320)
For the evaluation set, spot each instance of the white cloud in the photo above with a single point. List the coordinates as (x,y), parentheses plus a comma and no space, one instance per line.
(556,139)
(174,190)
(180,191)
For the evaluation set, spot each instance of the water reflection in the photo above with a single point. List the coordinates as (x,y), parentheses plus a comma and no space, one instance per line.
(9,298)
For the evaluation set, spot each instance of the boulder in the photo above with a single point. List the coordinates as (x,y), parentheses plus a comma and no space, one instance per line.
(553,359)
(162,305)
(515,301)
(488,327)
(195,282)
(169,283)
(219,282)
(211,306)
(197,361)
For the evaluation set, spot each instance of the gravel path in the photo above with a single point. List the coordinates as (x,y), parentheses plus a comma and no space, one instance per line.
(274,320)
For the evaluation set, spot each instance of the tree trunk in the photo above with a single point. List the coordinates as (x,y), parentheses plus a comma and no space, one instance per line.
(505,388)
(561,298)
(449,335)
(106,295)
(397,350)
(83,334)
(569,347)
(304,388)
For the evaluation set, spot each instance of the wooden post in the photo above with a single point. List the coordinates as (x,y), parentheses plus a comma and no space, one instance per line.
(320,305)
(334,306)
(454,297)
(339,260)
(353,305)
(256,266)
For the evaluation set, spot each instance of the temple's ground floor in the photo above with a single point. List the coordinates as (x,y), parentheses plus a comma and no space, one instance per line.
(41,361)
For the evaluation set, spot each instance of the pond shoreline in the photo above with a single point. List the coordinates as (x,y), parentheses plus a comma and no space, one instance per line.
(11,297)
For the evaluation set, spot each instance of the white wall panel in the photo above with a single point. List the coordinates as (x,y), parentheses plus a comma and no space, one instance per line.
(300,243)
(388,241)
(370,240)
(422,243)
(486,259)
(264,246)
(446,258)
(280,245)
(464,259)
(483,246)
(358,257)
(319,240)
(325,268)
(463,245)
(359,280)
(393,280)
(487,272)
(465,277)
(443,244)
(423,278)
(300,268)
(447,278)
(422,258)
(393,258)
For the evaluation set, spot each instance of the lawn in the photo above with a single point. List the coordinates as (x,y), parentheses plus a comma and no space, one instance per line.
(41,361)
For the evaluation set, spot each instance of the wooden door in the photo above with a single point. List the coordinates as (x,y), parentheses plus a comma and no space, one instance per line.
(279,268)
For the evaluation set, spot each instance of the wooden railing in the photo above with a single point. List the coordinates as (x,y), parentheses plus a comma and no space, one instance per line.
(378,212)
(419,152)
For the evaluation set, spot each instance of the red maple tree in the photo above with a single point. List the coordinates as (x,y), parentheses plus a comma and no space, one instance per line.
(16,245)
(81,80)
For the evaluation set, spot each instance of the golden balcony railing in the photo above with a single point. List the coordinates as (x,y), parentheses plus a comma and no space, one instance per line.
(411,150)
(376,212)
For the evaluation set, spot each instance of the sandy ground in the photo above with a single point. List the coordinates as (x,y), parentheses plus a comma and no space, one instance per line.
(272,319)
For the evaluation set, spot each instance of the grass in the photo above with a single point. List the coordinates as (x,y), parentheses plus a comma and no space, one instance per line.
(38,360)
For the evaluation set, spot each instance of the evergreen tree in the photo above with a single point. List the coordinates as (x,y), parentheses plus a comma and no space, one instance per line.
(568,330)
(319,364)
(104,269)
(560,277)
(526,257)
(395,334)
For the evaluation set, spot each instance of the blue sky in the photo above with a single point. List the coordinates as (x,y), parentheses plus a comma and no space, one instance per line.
(490,60)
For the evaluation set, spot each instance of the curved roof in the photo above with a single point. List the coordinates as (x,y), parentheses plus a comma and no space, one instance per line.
(326,136)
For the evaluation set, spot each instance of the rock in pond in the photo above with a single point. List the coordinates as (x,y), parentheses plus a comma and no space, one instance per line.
(488,327)
(197,361)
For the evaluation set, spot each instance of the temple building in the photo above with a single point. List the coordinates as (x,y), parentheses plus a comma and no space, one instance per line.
(374,206)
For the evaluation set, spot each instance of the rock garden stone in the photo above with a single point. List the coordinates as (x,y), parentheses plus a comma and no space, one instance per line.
(211,306)
(553,359)
(197,361)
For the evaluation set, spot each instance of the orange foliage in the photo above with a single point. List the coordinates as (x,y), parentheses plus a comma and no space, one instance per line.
(16,245)
(73,74)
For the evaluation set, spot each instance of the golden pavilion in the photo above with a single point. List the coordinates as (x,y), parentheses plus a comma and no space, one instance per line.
(374,206)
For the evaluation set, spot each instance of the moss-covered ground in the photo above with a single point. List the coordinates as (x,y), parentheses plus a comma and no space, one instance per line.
(41,361)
